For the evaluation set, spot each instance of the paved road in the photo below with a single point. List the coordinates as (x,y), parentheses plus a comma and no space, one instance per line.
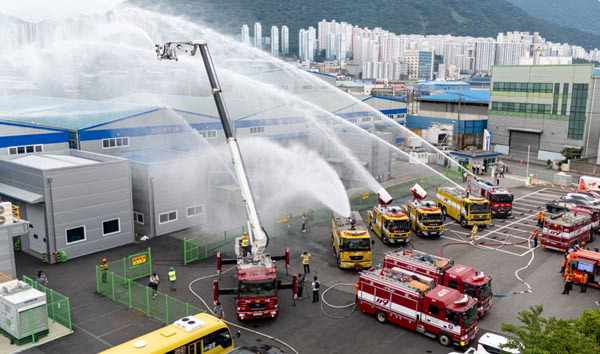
(100,322)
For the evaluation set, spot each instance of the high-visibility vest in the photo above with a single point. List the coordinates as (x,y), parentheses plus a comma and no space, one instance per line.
(536,234)
(172,276)
(584,279)
(305,258)
(104,266)
(245,241)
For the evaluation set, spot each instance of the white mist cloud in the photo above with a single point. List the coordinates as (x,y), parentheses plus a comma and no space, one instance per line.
(40,10)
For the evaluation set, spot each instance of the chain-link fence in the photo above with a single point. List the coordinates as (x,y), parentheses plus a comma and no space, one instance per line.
(203,247)
(159,306)
(59,308)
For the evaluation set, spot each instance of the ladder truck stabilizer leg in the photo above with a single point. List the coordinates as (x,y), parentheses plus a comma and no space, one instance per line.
(285,257)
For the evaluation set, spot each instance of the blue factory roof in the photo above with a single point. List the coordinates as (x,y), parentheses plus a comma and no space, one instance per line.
(443,83)
(65,113)
(597,72)
(466,96)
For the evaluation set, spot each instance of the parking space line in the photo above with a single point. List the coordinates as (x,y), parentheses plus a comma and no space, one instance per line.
(542,199)
(532,204)
(485,247)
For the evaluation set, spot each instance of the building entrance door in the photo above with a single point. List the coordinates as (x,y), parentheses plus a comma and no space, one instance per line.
(37,230)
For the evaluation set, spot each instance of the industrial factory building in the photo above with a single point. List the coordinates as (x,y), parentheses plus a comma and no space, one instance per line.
(76,202)
(156,134)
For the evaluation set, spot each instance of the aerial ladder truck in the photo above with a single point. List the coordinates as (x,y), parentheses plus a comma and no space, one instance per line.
(257,284)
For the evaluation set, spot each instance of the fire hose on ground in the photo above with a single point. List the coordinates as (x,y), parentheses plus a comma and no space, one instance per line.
(484,245)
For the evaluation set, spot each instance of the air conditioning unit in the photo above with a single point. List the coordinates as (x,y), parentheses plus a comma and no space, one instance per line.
(6,213)
(23,309)
(189,323)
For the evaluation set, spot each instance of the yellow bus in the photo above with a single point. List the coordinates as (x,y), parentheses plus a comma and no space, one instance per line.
(197,334)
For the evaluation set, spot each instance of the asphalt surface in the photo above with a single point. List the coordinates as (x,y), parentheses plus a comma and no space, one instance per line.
(100,322)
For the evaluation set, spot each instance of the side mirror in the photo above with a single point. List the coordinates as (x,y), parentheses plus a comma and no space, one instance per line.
(372,242)
(238,334)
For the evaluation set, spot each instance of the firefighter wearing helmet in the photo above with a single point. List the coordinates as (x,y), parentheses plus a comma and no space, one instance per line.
(245,243)
(104,268)
(474,233)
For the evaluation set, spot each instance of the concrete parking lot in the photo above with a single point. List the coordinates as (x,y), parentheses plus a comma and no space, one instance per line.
(310,328)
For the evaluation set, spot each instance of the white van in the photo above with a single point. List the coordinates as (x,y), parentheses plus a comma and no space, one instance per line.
(490,343)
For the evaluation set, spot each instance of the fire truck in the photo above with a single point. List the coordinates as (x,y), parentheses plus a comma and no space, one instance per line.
(414,302)
(445,272)
(584,261)
(594,213)
(256,281)
(389,223)
(351,242)
(564,230)
(469,211)
(426,219)
(500,199)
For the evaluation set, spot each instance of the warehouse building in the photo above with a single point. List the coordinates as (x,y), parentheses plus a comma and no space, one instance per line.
(76,202)
(543,109)
(12,227)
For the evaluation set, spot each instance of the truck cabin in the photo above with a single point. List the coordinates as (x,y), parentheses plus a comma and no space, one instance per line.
(584,261)
(355,241)
(258,281)
(477,206)
(395,220)
(428,212)
(450,305)
(467,280)
(500,197)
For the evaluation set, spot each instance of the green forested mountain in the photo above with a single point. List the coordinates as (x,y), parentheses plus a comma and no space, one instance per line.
(460,17)
(581,14)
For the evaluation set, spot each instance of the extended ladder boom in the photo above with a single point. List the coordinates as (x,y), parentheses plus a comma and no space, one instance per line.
(257,235)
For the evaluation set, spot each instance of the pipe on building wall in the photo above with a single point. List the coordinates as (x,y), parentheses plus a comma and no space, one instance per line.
(152,210)
(587,143)
(51,251)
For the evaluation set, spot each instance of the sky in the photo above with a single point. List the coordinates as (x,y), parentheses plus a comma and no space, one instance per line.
(39,10)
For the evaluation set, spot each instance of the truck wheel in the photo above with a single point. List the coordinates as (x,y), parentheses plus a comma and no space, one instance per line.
(381,316)
(463,222)
(444,340)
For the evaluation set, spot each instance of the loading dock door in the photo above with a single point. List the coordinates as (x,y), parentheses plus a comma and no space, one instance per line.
(37,230)
(519,141)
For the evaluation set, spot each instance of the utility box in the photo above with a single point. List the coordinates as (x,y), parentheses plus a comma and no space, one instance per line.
(562,179)
(23,309)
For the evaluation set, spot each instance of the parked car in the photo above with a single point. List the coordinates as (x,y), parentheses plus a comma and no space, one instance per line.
(490,343)
(559,205)
(258,349)
(583,196)
(593,194)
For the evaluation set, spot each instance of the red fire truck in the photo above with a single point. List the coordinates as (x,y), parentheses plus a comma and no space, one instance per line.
(500,199)
(594,213)
(564,230)
(584,261)
(414,302)
(256,288)
(444,272)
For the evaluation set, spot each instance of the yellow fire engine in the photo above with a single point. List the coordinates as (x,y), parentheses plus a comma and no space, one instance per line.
(467,210)
(351,242)
(389,223)
(426,219)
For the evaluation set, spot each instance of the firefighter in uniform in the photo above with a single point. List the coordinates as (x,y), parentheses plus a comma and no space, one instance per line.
(172,278)
(568,283)
(474,233)
(563,264)
(104,268)
(584,282)
(245,243)
(540,219)
(535,236)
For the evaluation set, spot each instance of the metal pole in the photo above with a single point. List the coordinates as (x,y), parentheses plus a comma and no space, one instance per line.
(528,150)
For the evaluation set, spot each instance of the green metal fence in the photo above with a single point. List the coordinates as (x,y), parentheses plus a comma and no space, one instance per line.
(135,266)
(203,247)
(454,173)
(161,307)
(59,308)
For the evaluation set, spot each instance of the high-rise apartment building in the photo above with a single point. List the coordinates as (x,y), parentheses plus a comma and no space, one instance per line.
(341,46)
(306,44)
(543,109)
(285,40)
(258,35)
(330,46)
(274,41)
(420,64)
(245,35)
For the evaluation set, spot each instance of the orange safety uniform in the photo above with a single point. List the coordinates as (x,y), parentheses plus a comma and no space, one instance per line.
(584,278)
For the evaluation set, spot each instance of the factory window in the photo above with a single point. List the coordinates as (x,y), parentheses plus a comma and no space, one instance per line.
(138,218)
(26,149)
(366,119)
(353,120)
(533,87)
(257,130)
(75,234)
(307,87)
(114,142)
(577,114)
(195,210)
(208,134)
(167,217)
(110,227)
